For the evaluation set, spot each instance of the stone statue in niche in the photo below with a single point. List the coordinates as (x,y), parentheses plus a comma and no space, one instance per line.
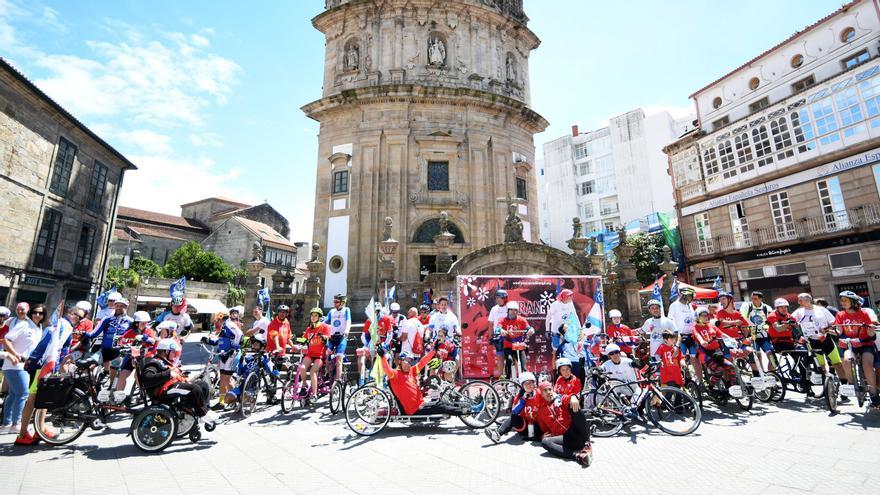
(513,226)
(436,52)
(386,232)
(352,58)
(511,68)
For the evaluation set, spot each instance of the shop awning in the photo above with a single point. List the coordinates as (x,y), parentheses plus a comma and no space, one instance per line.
(201,306)
(699,292)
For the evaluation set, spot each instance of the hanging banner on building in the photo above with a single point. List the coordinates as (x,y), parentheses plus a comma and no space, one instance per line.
(535,294)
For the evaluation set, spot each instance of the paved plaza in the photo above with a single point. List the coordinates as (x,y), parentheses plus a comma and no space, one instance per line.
(791,448)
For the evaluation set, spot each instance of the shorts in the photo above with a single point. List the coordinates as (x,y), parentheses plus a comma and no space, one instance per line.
(127,364)
(499,347)
(555,340)
(865,349)
(338,349)
(227,366)
(109,354)
(688,346)
(825,348)
(763,344)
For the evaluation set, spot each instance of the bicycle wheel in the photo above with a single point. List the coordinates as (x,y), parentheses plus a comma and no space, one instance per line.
(745,402)
(831,389)
(337,396)
(816,377)
(483,403)
(674,411)
(859,381)
(777,391)
(64,425)
(153,429)
(250,394)
(608,415)
(693,389)
(288,395)
(186,422)
(801,374)
(506,390)
(367,411)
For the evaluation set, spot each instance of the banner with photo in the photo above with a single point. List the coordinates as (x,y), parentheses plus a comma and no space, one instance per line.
(535,294)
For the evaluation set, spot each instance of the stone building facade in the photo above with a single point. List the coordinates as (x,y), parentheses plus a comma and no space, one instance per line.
(59,186)
(425,109)
(779,188)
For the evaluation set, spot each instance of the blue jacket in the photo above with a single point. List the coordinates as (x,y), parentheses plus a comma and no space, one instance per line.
(110,328)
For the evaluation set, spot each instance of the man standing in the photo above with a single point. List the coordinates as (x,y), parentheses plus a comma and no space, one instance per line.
(560,312)
(411,334)
(178,315)
(444,319)
(756,312)
(654,326)
(682,314)
(278,332)
(261,325)
(496,313)
(109,328)
(339,319)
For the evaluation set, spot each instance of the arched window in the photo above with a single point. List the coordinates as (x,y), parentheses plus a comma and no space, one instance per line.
(430,228)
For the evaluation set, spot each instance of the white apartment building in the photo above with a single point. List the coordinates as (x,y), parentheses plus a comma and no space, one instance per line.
(606,177)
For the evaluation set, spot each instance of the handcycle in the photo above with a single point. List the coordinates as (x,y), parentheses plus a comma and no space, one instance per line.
(671,409)
(722,390)
(293,390)
(859,386)
(370,409)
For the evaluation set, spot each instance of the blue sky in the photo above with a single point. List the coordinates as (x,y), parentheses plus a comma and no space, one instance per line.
(204,95)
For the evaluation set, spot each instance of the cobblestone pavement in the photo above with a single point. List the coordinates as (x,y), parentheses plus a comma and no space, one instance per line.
(791,448)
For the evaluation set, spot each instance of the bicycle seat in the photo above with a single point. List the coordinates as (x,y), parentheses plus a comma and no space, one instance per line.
(91,359)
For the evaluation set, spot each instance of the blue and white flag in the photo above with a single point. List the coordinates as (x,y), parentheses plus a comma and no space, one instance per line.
(178,287)
(673,292)
(656,294)
(717,284)
(104,297)
(595,318)
(558,286)
(392,294)
(600,298)
(263,296)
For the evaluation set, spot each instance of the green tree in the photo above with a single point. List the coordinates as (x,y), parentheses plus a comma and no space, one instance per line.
(647,256)
(120,278)
(145,267)
(192,262)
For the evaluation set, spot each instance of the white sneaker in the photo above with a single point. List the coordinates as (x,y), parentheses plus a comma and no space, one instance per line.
(4,429)
(15,428)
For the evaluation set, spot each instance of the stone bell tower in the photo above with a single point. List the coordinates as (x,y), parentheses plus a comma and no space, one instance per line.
(425,109)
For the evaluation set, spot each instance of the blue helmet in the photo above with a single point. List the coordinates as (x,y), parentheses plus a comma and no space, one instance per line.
(501,293)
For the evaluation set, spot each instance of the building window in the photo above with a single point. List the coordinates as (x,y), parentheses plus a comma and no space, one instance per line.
(871,94)
(803,131)
(47,239)
(84,250)
(739,225)
(847,35)
(580,151)
(834,214)
(783,222)
(609,226)
(761,141)
(826,123)
(63,167)
(718,124)
(791,269)
(797,61)
(586,211)
(877,177)
(522,188)
(336,264)
(744,152)
(340,182)
(430,228)
(754,83)
(709,158)
(438,176)
(803,84)
(588,187)
(97,187)
(855,60)
(759,105)
(716,103)
(850,112)
(726,157)
(704,233)
(712,271)
(781,138)
(585,168)
(604,165)
(848,263)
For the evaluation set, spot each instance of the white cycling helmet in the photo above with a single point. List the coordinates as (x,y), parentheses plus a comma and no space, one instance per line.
(615,314)
(114,296)
(780,302)
(123,301)
(563,362)
(528,376)
(141,316)
(701,310)
(512,305)
(237,309)
(4,311)
(85,306)
(167,345)
(448,367)
(612,348)
(395,307)
(167,325)
(653,302)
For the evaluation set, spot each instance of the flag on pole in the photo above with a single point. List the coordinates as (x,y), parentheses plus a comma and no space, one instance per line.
(57,314)
(104,297)
(595,318)
(178,287)
(392,294)
(655,293)
(717,284)
(558,286)
(263,297)
(673,291)
(377,373)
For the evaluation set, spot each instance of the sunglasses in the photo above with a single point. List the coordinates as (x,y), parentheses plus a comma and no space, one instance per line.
(38,313)
(613,353)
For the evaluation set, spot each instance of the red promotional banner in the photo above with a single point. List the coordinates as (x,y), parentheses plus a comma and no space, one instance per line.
(534,293)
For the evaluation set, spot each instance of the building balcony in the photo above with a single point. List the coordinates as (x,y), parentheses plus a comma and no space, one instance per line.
(610,211)
(859,219)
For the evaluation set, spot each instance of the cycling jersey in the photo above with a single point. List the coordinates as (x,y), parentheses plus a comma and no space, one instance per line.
(516,330)
(785,334)
(84,327)
(622,335)
(230,337)
(260,329)
(110,328)
(730,322)
(527,406)
(184,322)
(406,385)
(385,330)
(339,320)
(277,331)
(683,316)
(571,386)
(444,321)
(757,316)
(813,320)
(622,371)
(670,371)
(554,417)
(853,330)
(654,327)
(316,338)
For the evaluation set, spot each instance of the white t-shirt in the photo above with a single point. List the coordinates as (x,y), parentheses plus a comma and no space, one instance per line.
(496,313)
(654,328)
(557,314)
(813,320)
(104,313)
(339,320)
(447,321)
(261,328)
(683,316)
(411,327)
(623,372)
(182,319)
(23,337)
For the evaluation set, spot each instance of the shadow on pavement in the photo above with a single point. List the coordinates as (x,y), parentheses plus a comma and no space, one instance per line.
(126,451)
(427,431)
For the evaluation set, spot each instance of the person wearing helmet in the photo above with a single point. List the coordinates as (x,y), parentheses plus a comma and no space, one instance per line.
(669,353)
(249,363)
(815,322)
(444,348)
(716,358)
(261,324)
(681,312)
(316,335)
(566,382)
(727,318)
(756,312)
(622,335)
(656,324)
(168,330)
(397,319)
(164,381)
(339,319)
(412,334)
(577,353)
(404,382)
(108,310)
(567,433)
(858,330)
(85,324)
(178,314)
(560,312)
(109,329)
(424,314)
(514,329)
(497,312)
(139,332)
(782,330)
(278,332)
(523,412)
(228,342)
(622,368)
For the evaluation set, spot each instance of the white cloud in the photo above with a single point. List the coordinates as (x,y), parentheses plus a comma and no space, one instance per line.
(206,139)
(147,141)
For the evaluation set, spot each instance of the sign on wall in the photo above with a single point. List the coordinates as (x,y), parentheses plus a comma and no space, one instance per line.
(535,293)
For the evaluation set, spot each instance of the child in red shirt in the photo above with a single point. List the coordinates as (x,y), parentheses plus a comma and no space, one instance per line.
(670,358)
(566,383)
(316,336)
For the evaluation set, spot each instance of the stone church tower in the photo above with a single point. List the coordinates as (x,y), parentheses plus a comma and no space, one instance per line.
(425,109)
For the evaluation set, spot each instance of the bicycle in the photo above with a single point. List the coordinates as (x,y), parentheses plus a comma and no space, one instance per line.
(721,391)
(328,384)
(671,409)
(767,386)
(256,381)
(859,386)
(210,372)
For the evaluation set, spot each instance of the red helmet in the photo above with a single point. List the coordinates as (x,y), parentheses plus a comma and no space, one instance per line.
(565,293)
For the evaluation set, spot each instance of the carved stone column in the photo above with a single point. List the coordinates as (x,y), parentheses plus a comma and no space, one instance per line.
(631,306)
(387,252)
(312,295)
(251,286)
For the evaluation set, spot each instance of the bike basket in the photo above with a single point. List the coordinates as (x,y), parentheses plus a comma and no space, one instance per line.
(53,392)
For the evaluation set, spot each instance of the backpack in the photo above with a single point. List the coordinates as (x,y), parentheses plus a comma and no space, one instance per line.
(418,346)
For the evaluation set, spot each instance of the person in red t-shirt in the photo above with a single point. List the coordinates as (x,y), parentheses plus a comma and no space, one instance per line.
(278,332)
(4,317)
(856,328)
(670,359)
(524,411)
(316,336)
(711,352)
(513,330)
(566,382)
(732,323)
(619,333)
(566,433)
(780,329)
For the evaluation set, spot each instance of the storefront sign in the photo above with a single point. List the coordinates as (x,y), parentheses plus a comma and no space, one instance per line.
(707,280)
(38,281)
(814,173)
(534,294)
(805,247)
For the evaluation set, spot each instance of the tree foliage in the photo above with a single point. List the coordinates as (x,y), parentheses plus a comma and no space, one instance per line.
(192,262)
(647,256)
(145,267)
(120,278)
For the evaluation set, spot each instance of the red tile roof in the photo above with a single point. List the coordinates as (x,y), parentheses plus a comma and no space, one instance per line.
(843,8)
(162,233)
(126,213)
(267,234)
(222,200)
(122,235)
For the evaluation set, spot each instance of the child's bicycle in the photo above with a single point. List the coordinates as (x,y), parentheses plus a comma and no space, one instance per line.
(329,384)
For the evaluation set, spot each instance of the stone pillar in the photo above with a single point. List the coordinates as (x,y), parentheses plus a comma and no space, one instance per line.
(578,245)
(444,241)
(668,268)
(387,252)
(312,295)
(251,286)
(631,305)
